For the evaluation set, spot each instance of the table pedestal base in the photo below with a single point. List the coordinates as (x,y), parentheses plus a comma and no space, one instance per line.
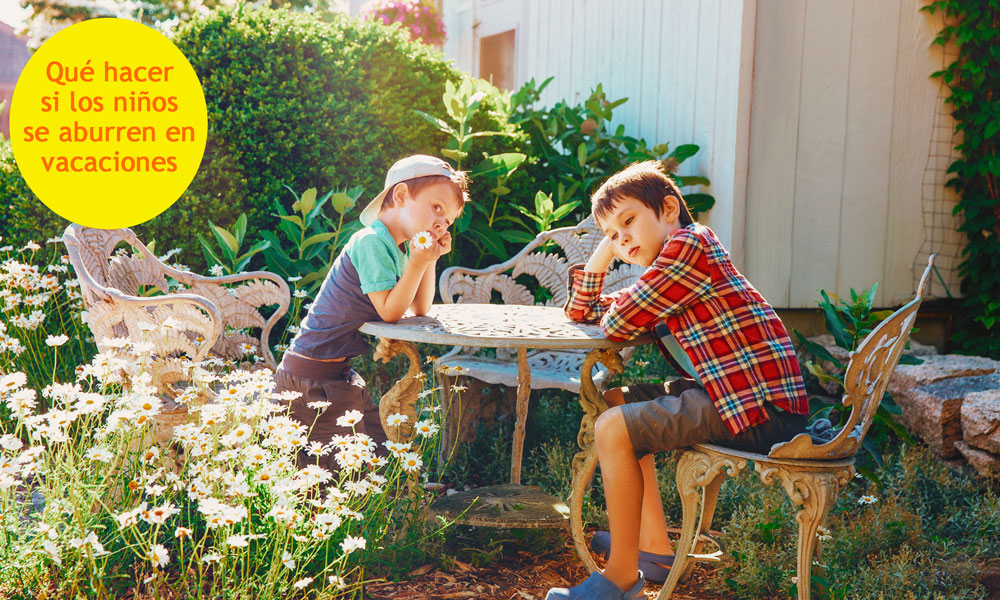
(503,506)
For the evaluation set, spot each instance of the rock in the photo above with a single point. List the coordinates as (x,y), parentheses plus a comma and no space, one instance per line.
(985,463)
(940,366)
(981,420)
(922,350)
(933,412)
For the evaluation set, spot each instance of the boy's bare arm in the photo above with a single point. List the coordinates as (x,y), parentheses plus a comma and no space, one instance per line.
(425,293)
(392,304)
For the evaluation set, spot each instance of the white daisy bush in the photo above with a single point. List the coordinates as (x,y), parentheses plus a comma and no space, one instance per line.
(108,488)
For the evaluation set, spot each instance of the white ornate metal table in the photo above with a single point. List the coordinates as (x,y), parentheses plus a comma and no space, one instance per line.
(507,326)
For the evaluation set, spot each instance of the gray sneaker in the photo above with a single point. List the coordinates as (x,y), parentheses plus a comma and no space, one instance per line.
(598,587)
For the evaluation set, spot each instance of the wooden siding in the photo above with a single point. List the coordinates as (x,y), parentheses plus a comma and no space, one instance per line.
(841,130)
(819,125)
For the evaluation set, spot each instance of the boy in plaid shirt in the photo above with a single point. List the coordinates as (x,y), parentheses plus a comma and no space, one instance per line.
(745,389)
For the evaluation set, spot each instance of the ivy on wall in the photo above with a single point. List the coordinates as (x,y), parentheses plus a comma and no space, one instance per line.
(973,26)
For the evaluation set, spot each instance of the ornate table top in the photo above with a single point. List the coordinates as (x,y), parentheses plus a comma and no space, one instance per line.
(497,326)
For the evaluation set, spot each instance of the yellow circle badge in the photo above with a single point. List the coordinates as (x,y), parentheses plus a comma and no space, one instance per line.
(108,123)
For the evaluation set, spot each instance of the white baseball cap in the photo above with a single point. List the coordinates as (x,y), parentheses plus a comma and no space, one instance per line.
(411,167)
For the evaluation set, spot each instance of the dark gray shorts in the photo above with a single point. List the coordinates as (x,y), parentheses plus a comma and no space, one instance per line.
(667,417)
(336,383)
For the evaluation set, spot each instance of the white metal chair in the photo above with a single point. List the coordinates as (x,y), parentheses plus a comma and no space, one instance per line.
(201,315)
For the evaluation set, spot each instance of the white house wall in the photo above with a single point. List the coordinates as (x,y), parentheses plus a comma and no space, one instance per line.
(677,61)
(843,113)
(815,119)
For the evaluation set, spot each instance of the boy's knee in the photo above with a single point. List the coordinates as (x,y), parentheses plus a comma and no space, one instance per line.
(615,397)
(610,427)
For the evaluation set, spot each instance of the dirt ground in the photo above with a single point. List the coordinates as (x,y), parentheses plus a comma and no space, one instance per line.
(524,577)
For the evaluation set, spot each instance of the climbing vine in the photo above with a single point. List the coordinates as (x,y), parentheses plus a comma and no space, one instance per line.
(973,27)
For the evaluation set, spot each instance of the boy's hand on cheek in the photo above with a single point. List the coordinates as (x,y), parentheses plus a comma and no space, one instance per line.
(444,243)
(601,259)
(425,255)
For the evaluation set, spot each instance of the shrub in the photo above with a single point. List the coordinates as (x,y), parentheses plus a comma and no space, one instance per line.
(291,101)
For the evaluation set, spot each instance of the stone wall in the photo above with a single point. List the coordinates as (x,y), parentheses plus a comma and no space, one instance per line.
(952,403)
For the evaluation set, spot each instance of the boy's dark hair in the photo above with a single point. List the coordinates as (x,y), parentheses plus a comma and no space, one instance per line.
(459,182)
(647,182)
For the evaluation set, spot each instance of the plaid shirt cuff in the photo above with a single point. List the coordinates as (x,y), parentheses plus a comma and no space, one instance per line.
(584,302)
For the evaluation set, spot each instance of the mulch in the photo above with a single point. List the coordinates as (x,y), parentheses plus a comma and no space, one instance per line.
(520,577)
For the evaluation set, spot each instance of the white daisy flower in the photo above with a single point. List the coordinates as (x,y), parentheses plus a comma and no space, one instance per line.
(287,560)
(56,340)
(302,583)
(396,419)
(427,428)
(411,462)
(158,555)
(422,240)
(98,454)
(349,419)
(867,500)
(351,543)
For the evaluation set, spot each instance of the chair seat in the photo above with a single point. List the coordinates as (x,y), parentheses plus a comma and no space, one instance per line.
(715,450)
(559,370)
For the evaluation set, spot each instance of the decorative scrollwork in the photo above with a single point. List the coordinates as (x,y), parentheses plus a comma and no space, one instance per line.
(401,397)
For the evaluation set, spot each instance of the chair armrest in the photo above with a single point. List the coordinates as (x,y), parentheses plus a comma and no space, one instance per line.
(192,279)
(113,296)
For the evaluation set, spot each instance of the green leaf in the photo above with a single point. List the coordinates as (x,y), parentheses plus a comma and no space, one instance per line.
(834,325)
(440,124)
(684,152)
(454,154)
(226,242)
(307,201)
(699,203)
(493,242)
(498,165)
(315,239)
(817,350)
(341,202)
(210,256)
(517,237)
(564,210)
(240,229)
(581,154)
(292,219)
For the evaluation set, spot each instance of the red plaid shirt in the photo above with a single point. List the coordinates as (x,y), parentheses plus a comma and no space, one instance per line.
(737,343)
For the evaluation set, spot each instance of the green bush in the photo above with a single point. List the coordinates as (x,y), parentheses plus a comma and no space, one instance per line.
(291,101)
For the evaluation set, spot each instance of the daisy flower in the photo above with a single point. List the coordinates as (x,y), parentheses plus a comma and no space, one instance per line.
(158,555)
(422,240)
(302,583)
(411,462)
(56,340)
(396,419)
(349,419)
(867,500)
(350,544)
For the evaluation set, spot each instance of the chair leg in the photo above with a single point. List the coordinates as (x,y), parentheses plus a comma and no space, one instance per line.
(815,491)
(696,470)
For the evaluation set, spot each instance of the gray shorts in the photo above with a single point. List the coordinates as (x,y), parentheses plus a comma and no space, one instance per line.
(662,417)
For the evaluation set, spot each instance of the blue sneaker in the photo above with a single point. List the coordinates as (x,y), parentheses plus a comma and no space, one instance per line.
(656,567)
(598,587)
